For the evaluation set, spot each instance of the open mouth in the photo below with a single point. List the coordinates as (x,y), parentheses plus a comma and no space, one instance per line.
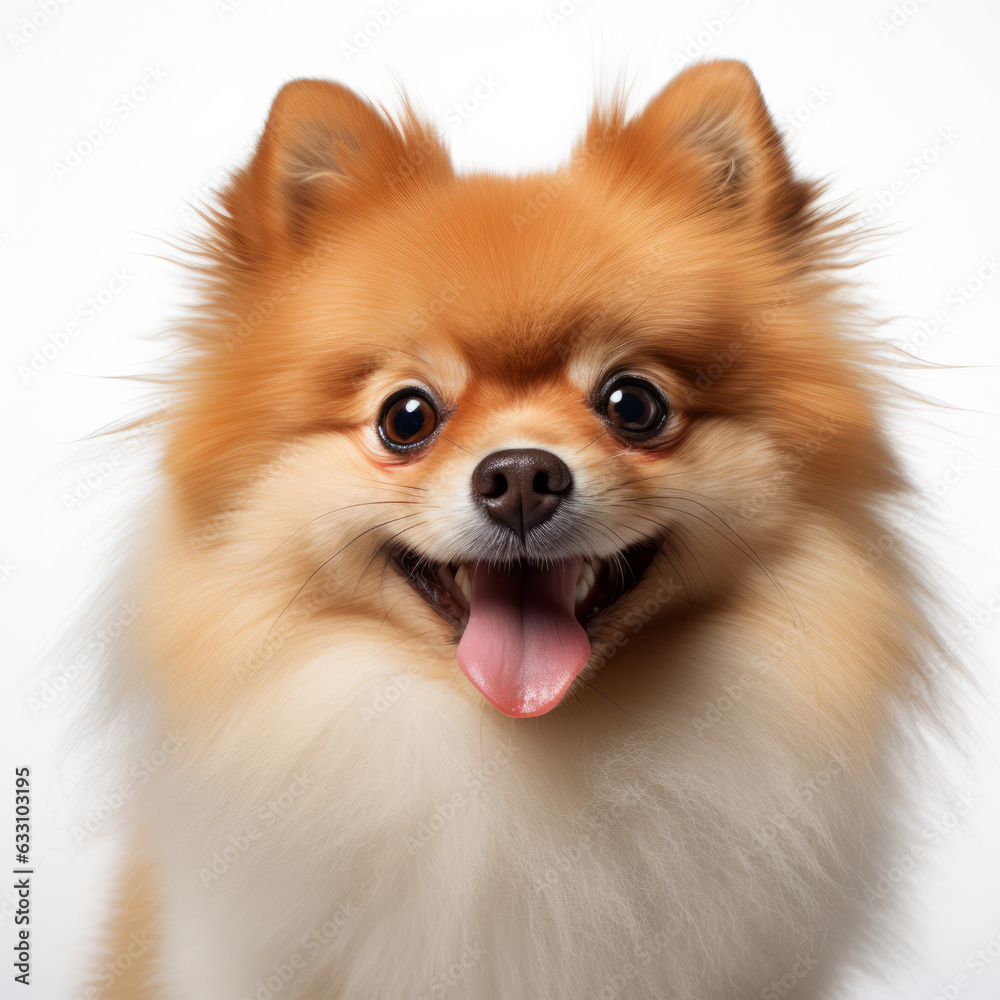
(523,625)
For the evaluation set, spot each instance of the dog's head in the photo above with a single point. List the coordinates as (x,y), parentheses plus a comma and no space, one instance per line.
(521,414)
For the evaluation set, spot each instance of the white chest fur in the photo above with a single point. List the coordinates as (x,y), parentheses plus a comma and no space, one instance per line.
(383,837)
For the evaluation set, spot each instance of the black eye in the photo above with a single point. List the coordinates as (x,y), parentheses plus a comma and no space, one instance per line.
(408,419)
(635,408)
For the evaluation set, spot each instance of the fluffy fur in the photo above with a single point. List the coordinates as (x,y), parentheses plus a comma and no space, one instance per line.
(345,815)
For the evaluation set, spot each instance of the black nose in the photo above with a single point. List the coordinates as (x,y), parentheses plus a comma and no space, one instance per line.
(521,487)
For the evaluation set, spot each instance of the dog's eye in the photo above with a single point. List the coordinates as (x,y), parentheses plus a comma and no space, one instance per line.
(634,408)
(408,419)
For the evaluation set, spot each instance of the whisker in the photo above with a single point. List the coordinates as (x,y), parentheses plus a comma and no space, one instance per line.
(696,498)
(586,446)
(329,513)
(327,561)
(747,549)
(618,557)
(385,618)
(613,493)
(679,541)
(458,446)
(594,687)
(683,578)
(384,482)
(731,535)
(579,701)
(398,642)
(382,546)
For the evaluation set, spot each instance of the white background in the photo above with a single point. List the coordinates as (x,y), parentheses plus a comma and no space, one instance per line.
(886,80)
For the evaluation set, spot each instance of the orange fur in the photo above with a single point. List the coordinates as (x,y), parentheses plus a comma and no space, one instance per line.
(348,260)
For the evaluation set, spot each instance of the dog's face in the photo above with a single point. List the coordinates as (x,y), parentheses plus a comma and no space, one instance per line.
(516,413)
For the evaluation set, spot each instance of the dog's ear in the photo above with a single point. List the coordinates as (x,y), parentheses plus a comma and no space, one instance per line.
(325,149)
(709,131)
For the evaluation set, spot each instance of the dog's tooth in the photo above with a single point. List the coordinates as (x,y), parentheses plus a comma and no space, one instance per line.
(463,583)
(585,582)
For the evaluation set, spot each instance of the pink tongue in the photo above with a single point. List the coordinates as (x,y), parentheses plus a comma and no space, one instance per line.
(523,645)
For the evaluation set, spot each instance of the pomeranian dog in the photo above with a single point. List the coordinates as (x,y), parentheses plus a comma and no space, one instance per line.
(523,615)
